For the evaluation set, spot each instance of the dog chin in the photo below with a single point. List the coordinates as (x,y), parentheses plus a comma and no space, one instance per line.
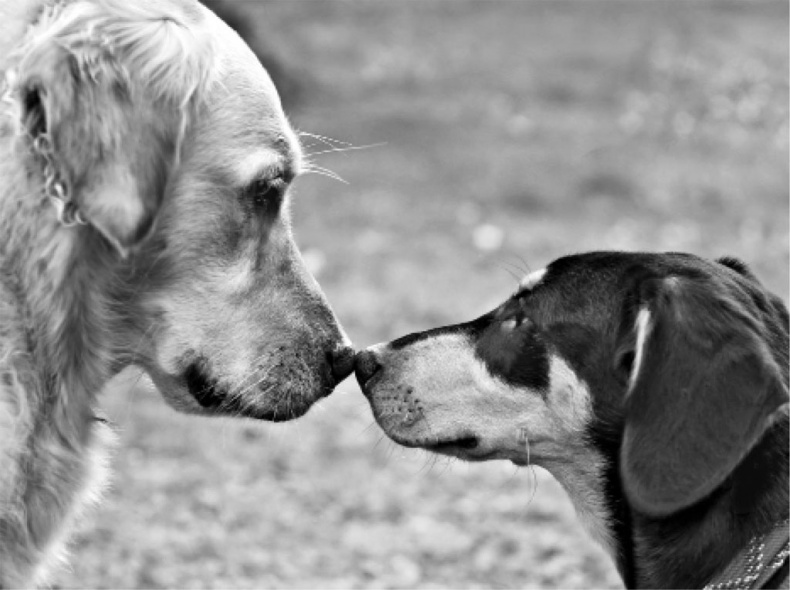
(196,392)
(467,447)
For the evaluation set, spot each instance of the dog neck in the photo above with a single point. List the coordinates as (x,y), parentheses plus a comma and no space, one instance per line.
(687,549)
(57,274)
(53,280)
(50,329)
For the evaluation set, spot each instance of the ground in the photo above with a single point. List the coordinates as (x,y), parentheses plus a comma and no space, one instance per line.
(502,134)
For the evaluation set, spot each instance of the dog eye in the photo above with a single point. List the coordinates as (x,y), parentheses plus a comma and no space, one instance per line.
(511,324)
(267,193)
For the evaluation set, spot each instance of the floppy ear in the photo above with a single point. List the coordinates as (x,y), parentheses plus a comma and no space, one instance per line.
(702,391)
(109,142)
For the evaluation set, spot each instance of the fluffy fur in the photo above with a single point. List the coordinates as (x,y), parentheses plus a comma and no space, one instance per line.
(124,117)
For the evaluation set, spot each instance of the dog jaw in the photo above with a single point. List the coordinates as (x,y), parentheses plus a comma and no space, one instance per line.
(437,394)
(438,390)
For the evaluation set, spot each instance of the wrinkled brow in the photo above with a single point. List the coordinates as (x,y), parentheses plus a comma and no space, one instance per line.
(264,164)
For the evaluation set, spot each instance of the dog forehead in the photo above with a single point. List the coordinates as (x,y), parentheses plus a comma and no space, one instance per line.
(244,86)
(192,10)
(244,127)
(580,287)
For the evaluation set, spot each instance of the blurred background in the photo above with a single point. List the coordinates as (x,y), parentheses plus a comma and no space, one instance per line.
(476,140)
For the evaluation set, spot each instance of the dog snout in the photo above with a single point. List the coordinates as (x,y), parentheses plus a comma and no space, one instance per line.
(341,360)
(366,365)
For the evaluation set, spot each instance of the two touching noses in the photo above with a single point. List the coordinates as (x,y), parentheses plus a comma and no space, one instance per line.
(344,360)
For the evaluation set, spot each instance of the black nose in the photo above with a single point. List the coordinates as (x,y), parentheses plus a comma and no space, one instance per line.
(365,367)
(342,362)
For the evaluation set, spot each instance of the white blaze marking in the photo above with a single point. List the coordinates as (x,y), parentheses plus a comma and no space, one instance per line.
(531,280)
(643,328)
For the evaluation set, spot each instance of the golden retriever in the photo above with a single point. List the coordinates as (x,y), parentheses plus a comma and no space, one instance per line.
(145,162)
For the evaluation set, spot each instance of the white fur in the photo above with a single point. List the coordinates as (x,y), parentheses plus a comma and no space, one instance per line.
(530,281)
(449,393)
(160,46)
(117,88)
(149,42)
(268,162)
(643,327)
(571,402)
(56,336)
(258,164)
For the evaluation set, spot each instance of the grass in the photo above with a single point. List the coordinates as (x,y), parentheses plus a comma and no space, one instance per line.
(512,132)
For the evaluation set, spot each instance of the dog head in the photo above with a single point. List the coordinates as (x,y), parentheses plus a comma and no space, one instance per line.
(152,125)
(665,368)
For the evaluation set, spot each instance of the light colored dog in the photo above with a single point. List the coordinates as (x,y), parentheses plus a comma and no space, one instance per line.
(144,166)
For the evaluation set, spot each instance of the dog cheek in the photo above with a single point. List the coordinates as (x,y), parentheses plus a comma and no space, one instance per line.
(569,399)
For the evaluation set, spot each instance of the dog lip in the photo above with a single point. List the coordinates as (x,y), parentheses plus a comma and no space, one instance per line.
(466,443)
(202,388)
(367,386)
(467,447)
(217,401)
(456,443)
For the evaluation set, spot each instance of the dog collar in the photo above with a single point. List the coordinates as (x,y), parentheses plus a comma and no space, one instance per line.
(757,562)
(54,187)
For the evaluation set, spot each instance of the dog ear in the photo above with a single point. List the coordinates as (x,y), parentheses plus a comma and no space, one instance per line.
(107,88)
(738,266)
(102,138)
(702,389)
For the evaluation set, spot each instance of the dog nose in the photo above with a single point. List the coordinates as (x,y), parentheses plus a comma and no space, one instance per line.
(366,366)
(342,362)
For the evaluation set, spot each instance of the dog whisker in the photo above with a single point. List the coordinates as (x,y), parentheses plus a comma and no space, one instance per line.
(323,139)
(366,429)
(448,464)
(516,277)
(534,484)
(346,149)
(313,169)
(258,374)
(381,439)
(527,268)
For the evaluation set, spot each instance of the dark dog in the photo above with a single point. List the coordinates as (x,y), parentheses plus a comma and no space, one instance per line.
(654,387)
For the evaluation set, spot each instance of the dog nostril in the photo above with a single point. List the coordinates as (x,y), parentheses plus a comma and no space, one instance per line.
(342,362)
(366,365)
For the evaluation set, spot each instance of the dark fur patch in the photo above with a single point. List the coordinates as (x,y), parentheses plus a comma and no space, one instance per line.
(415,337)
(738,266)
(516,355)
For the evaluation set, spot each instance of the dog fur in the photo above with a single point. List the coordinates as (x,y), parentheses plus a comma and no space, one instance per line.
(654,387)
(144,167)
